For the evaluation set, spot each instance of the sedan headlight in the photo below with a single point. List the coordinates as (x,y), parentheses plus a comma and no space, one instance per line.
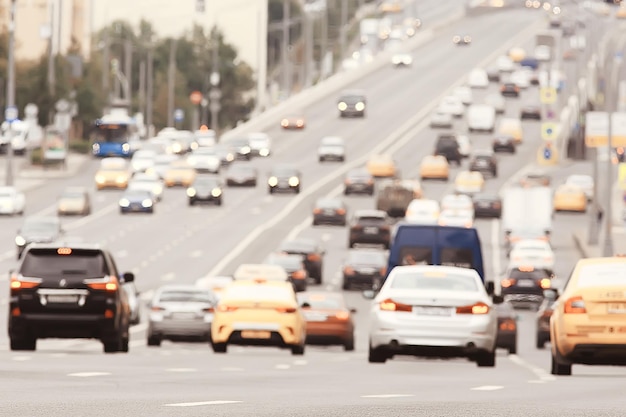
(216,192)
(230,157)
(124,202)
(245,150)
(20,241)
(191,192)
(146,203)
(342,106)
(407,60)
(158,190)
(272,181)
(396,60)
(360,106)
(100,179)
(264,152)
(294,181)
(176,148)
(126,147)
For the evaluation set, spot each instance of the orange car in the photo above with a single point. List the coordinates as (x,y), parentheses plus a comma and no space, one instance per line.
(381,165)
(328,320)
(569,197)
(293,122)
(435,167)
(588,324)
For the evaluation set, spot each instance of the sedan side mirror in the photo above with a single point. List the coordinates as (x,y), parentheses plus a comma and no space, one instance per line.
(128,277)
(353,310)
(497,299)
(551,294)
(490,287)
(369,294)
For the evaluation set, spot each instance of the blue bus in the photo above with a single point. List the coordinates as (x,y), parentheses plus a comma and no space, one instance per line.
(114,134)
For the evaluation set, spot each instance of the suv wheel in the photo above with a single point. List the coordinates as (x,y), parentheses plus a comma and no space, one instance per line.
(219,347)
(154,340)
(377,355)
(23,343)
(114,345)
(297,350)
(348,345)
(486,358)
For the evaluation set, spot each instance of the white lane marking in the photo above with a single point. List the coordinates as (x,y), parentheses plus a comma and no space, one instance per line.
(181,370)
(300,362)
(536,381)
(58,355)
(168,277)
(282,366)
(541,373)
(21,358)
(387,396)
(487,388)
(88,374)
(201,403)
(231,369)
(196,254)
(495,254)
(299,228)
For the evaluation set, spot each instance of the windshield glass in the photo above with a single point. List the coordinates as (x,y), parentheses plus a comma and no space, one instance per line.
(433,281)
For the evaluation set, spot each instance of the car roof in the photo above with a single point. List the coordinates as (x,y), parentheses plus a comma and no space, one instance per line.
(64,244)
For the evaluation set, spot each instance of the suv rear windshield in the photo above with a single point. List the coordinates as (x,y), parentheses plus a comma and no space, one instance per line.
(47,263)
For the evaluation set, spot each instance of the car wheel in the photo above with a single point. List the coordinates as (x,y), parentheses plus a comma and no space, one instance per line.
(348,345)
(219,202)
(351,244)
(315,222)
(321,159)
(540,342)
(298,190)
(271,190)
(297,350)
(125,345)
(23,344)
(513,348)
(377,355)
(486,358)
(559,368)
(154,340)
(112,346)
(219,347)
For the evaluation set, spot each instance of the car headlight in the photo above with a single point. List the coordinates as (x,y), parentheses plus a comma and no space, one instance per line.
(95,148)
(245,150)
(407,60)
(125,147)
(396,60)
(294,181)
(124,202)
(456,39)
(146,203)
(176,148)
(230,157)
(360,106)
(342,106)
(272,181)
(467,39)
(100,179)
(264,152)
(216,192)
(194,145)
(191,192)
(158,190)
(20,241)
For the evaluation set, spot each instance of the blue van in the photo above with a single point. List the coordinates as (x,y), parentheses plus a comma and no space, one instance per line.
(415,244)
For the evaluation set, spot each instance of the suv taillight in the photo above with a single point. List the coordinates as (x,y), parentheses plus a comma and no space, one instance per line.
(19,282)
(108,283)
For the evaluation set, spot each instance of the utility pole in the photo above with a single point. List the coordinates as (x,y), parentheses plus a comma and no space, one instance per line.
(128,68)
(51,76)
(324,43)
(344,28)
(286,70)
(308,50)
(142,86)
(106,61)
(10,104)
(215,94)
(171,80)
(149,89)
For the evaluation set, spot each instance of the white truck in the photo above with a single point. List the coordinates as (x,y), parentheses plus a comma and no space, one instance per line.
(527,212)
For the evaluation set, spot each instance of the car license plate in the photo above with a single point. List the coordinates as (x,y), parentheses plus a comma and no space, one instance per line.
(315,317)
(256,334)
(367,271)
(67,299)
(481,163)
(329,212)
(432,311)
(184,316)
(371,230)
(525,283)
(484,204)
(617,308)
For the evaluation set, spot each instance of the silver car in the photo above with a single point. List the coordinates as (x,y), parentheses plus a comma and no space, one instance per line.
(179,312)
(433,311)
(331,148)
(440,118)
(133,302)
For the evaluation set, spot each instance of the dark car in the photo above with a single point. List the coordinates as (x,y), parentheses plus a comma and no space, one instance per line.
(284,178)
(493,74)
(504,143)
(328,320)
(394,197)
(487,205)
(136,201)
(240,147)
(311,251)
(523,286)
(509,90)
(359,181)
(448,146)
(205,189)
(68,292)
(484,161)
(544,313)
(37,229)
(529,62)
(462,39)
(352,104)
(225,153)
(530,111)
(293,266)
(369,227)
(507,327)
(329,211)
(365,267)
(241,175)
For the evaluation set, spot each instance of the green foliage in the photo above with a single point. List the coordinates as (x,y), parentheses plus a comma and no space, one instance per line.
(36,156)
(80,146)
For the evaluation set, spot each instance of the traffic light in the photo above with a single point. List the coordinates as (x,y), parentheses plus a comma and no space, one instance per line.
(200,6)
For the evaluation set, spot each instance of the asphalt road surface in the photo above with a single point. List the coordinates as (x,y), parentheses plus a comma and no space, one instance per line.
(179,244)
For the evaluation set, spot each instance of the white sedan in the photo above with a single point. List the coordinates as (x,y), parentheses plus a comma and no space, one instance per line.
(441,119)
(457,202)
(452,105)
(532,252)
(205,160)
(12,201)
(427,310)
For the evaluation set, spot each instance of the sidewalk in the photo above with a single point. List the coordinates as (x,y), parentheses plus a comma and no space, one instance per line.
(586,250)
(27,177)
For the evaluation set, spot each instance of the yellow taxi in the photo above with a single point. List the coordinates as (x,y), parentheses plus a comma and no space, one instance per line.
(511,127)
(258,313)
(435,167)
(249,272)
(381,165)
(394,6)
(179,173)
(114,172)
(588,325)
(569,197)
(469,182)
(517,54)
(620,13)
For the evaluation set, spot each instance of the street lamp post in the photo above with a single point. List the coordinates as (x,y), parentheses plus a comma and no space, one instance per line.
(215,94)
(10,111)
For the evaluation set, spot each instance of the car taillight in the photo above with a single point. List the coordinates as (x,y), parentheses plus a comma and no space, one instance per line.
(390,305)
(357,227)
(348,270)
(575,305)
(108,283)
(478,308)
(508,282)
(383,271)
(343,315)
(224,308)
(317,211)
(286,309)
(300,274)
(313,257)
(18,283)
(385,228)
(208,310)
(341,211)
(545,283)
(157,309)
(508,324)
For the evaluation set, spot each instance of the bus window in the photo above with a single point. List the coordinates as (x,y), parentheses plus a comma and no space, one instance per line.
(457,257)
(416,255)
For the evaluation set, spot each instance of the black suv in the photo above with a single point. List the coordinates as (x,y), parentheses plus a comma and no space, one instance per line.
(484,162)
(68,292)
(523,286)
(370,227)
(448,146)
